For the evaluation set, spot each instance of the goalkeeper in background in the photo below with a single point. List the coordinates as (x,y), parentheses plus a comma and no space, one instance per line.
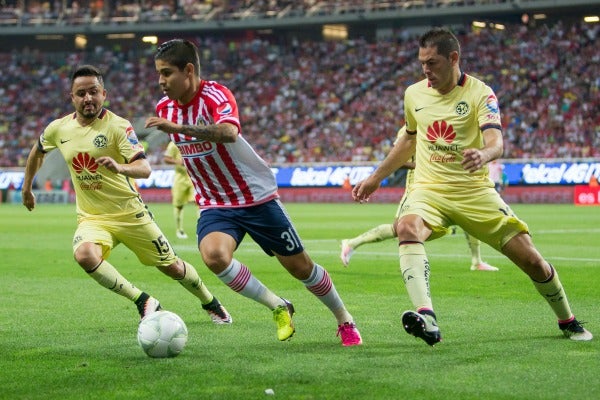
(182,191)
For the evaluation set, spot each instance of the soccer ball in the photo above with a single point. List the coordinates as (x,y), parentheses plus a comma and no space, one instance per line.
(162,334)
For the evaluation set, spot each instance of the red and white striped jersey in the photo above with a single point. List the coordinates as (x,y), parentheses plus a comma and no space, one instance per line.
(224,174)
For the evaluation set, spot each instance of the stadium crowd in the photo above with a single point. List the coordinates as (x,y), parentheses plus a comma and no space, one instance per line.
(77,12)
(332,101)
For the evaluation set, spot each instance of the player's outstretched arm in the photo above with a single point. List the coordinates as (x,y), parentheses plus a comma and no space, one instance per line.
(163,124)
(138,169)
(397,158)
(361,192)
(217,133)
(475,159)
(34,163)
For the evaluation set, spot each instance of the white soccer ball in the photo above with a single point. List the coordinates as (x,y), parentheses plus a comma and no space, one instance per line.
(162,334)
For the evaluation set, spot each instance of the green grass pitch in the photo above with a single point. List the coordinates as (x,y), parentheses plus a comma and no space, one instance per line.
(62,336)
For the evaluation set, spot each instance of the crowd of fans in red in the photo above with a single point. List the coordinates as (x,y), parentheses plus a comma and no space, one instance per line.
(333,101)
(85,12)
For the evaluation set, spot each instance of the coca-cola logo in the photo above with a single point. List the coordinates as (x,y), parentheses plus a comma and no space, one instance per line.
(90,186)
(443,158)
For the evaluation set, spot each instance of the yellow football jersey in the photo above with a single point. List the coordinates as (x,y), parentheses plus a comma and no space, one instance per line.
(410,172)
(181,175)
(446,125)
(101,194)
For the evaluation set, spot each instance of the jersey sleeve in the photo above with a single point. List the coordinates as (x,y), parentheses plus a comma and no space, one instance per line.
(129,146)
(223,107)
(489,110)
(161,108)
(401,132)
(47,141)
(411,122)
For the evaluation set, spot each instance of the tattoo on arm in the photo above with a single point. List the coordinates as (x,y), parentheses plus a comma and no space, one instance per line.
(218,133)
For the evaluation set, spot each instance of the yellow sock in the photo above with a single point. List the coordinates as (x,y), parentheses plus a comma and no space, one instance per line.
(415,272)
(552,290)
(377,234)
(475,247)
(194,284)
(106,275)
(178,214)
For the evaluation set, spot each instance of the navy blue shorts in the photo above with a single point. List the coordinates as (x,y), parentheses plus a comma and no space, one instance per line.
(268,224)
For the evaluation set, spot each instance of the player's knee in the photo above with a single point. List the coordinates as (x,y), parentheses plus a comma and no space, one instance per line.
(87,257)
(216,259)
(536,266)
(175,270)
(405,230)
(539,272)
(523,253)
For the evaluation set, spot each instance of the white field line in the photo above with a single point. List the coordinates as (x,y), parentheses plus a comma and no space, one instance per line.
(333,245)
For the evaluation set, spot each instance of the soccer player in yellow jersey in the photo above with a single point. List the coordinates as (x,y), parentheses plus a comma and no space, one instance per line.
(182,191)
(386,231)
(104,156)
(453,125)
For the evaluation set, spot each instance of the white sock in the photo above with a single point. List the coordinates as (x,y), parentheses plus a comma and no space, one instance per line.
(239,278)
(319,283)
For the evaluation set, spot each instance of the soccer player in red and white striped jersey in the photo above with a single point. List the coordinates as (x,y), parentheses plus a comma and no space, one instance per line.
(235,190)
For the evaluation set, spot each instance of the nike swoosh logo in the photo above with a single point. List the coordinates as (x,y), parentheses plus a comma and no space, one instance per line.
(64,141)
(419,109)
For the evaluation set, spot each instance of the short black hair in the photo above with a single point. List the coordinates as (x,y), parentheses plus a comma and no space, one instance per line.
(87,70)
(443,39)
(179,52)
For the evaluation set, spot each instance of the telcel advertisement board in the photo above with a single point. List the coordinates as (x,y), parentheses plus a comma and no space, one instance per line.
(517,174)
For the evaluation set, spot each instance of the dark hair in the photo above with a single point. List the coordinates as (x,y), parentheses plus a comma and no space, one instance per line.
(443,39)
(179,52)
(87,70)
